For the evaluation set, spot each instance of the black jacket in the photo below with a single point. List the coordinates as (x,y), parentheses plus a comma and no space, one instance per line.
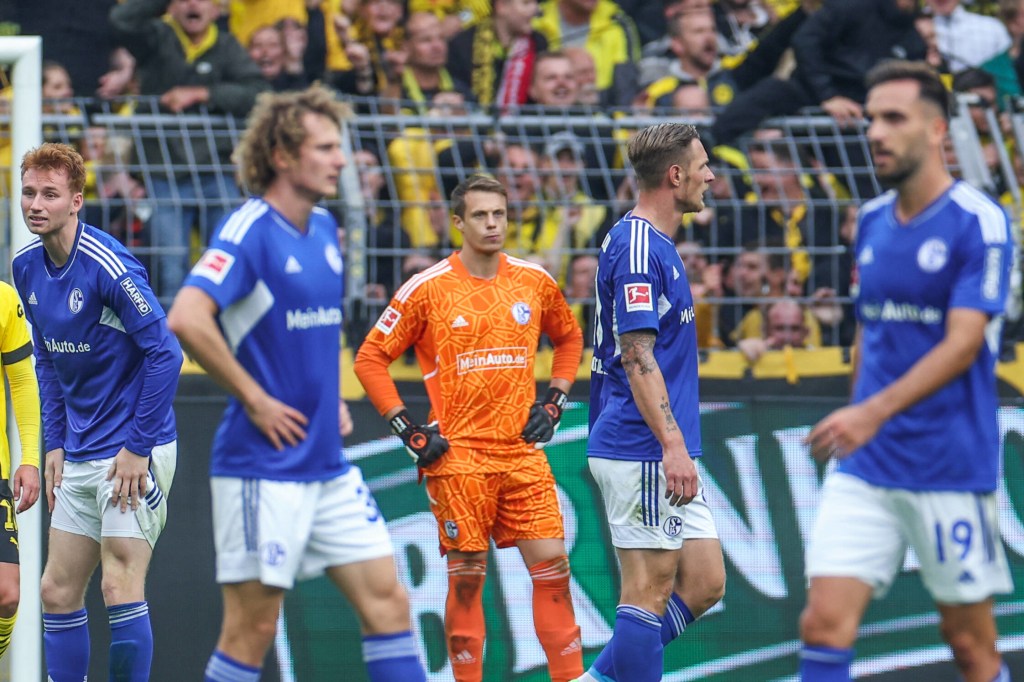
(837,45)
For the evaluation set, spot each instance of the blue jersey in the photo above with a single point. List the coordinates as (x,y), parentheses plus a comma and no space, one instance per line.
(641,285)
(108,366)
(955,254)
(279,291)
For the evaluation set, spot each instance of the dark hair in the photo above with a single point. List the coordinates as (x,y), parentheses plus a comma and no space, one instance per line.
(654,149)
(474,183)
(930,83)
(971,77)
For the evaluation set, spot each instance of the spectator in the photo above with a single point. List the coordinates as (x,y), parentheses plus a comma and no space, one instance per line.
(425,74)
(695,46)
(553,83)
(373,53)
(571,220)
(745,280)
(608,34)
(983,112)
(925,25)
(834,48)
(518,173)
(967,39)
(738,23)
(585,73)
(692,98)
(110,191)
(705,283)
(580,292)
(455,15)
(120,80)
(267,49)
(1012,14)
(246,17)
(657,55)
(786,327)
(492,60)
(57,91)
(795,210)
(190,66)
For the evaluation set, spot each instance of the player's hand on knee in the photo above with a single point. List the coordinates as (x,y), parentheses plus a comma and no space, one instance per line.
(53,473)
(129,473)
(544,417)
(424,443)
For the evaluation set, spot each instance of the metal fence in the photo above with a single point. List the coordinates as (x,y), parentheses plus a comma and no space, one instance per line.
(161,182)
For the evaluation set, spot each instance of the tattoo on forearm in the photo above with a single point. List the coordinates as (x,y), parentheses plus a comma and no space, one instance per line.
(670,420)
(638,353)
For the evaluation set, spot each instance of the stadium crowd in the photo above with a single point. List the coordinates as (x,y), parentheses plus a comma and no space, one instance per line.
(543,96)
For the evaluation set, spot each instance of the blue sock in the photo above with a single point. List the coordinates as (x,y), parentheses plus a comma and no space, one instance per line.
(677,617)
(223,668)
(825,664)
(131,642)
(673,623)
(66,645)
(392,657)
(638,654)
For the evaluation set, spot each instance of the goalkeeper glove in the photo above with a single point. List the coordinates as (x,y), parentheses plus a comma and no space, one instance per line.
(544,416)
(425,444)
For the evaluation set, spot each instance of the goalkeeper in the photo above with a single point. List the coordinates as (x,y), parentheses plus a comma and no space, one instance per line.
(475,320)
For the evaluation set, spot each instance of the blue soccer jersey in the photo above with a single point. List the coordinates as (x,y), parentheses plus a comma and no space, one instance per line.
(279,292)
(955,254)
(108,366)
(641,285)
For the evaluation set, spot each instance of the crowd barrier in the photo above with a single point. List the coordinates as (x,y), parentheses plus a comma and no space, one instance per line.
(790,187)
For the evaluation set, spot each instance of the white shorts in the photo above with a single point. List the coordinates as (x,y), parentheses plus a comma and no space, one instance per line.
(863,532)
(639,516)
(279,531)
(83,499)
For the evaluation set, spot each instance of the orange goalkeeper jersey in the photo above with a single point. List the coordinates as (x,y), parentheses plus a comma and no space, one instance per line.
(476,343)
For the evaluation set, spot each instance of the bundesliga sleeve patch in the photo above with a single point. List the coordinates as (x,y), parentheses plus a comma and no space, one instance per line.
(214,265)
(638,297)
(387,320)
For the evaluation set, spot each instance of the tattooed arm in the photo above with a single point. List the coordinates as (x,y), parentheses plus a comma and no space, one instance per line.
(651,396)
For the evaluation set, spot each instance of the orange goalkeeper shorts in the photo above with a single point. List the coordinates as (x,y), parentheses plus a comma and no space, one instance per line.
(508,506)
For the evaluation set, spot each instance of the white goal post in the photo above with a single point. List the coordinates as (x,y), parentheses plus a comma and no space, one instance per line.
(25,55)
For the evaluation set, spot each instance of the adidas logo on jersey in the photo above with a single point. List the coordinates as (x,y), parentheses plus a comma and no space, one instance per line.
(464,657)
(292,266)
(32,300)
(966,577)
(574,646)
(459,322)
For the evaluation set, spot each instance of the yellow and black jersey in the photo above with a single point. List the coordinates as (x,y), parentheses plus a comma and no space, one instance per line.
(16,357)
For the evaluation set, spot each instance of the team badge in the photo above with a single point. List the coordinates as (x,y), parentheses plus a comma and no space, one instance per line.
(451,529)
(387,320)
(75,301)
(521,312)
(932,255)
(272,553)
(638,297)
(333,258)
(673,526)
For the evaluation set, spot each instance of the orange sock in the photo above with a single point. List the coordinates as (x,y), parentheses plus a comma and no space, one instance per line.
(554,619)
(464,626)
